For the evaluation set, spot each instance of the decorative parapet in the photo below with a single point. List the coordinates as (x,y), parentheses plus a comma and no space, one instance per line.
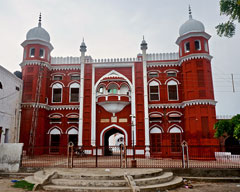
(116,60)
(163,64)
(224,116)
(162,56)
(183,104)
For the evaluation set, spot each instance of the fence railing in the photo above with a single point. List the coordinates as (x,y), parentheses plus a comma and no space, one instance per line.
(115,156)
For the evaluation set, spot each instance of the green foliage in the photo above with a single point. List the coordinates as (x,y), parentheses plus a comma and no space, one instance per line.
(24,185)
(229,127)
(230,8)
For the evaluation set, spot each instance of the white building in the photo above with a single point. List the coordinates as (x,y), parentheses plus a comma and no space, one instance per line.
(10,106)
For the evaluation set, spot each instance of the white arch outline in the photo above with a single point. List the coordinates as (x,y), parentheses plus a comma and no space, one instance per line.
(55,82)
(69,128)
(109,127)
(172,78)
(175,125)
(178,112)
(155,125)
(55,114)
(55,127)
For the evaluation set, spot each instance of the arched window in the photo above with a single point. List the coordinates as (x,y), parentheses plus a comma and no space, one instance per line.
(172,90)
(197,45)
(176,138)
(74,92)
(101,90)
(156,139)
(73,136)
(55,118)
(112,89)
(57,93)
(32,52)
(55,135)
(41,53)
(124,89)
(187,46)
(154,91)
(72,118)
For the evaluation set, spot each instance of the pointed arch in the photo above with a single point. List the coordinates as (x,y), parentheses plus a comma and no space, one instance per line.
(55,131)
(110,127)
(176,129)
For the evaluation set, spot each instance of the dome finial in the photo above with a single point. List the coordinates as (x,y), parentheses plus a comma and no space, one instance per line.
(40,20)
(143,44)
(190,12)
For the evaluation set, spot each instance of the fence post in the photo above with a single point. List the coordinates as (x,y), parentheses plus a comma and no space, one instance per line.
(96,156)
(185,158)
(69,153)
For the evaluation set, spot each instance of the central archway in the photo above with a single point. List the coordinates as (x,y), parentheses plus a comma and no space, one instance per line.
(107,133)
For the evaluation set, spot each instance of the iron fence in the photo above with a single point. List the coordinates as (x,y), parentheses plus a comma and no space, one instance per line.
(120,157)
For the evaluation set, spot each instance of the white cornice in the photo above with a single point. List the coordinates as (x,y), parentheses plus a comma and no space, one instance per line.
(49,107)
(183,104)
(193,34)
(163,64)
(65,67)
(195,56)
(35,62)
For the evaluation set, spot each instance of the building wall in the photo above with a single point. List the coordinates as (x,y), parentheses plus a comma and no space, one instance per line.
(10,105)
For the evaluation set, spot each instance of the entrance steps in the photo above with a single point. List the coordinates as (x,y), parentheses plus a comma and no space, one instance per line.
(109,180)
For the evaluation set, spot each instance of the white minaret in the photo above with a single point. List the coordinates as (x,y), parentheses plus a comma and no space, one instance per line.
(83,49)
(145,85)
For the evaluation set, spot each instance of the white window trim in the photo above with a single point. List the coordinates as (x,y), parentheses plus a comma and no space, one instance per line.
(57,76)
(185,47)
(30,50)
(73,86)
(200,47)
(61,92)
(155,84)
(168,91)
(43,57)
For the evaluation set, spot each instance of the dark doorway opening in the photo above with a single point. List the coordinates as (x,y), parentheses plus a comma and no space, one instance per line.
(110,150)
(73,138)
(54,144)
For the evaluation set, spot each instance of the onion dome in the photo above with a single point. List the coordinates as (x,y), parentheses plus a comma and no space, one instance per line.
(191,25)
(38,33)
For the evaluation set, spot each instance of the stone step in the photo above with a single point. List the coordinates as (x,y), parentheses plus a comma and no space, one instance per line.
(176,182)
(165,177)
(85,189)
(85,176)
(90,183)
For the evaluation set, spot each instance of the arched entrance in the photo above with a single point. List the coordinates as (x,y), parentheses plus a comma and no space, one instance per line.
(110,150)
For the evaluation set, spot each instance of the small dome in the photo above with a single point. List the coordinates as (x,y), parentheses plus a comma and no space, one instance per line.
(191,25)
(38,33)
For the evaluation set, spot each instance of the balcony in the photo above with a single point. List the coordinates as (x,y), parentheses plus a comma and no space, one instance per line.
(113,103)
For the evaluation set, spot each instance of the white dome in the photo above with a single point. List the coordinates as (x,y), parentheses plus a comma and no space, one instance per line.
(38,33)
(191,25)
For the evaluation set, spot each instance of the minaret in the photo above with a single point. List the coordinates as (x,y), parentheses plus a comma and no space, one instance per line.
(145,85)
(198,95)
(35,67)
(83,49)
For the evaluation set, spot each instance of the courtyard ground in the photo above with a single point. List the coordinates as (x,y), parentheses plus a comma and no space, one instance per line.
(6,186)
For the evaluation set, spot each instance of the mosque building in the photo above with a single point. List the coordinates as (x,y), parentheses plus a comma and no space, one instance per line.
(153,100)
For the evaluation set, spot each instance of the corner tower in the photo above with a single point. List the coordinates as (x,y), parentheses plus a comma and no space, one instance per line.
(198,95)
(35,69)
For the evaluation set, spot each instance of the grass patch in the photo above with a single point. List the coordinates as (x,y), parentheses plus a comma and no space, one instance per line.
(24,185)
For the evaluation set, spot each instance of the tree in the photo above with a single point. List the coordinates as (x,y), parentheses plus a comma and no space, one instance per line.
(230,8)
(229,127)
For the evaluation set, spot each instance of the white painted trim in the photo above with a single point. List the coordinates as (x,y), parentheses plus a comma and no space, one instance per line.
(139,152)
(55,114)
(179,113)
(55,127)
(172,79)
(171,70)
(113,126)
(175,125)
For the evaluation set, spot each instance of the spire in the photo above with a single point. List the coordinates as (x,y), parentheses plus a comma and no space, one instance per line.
(83,47)
(40,20)
(143,44)
(190,12)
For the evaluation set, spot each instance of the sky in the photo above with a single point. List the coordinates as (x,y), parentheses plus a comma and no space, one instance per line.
(114,29)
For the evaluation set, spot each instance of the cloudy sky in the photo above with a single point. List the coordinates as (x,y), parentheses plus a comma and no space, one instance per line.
(114,29)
